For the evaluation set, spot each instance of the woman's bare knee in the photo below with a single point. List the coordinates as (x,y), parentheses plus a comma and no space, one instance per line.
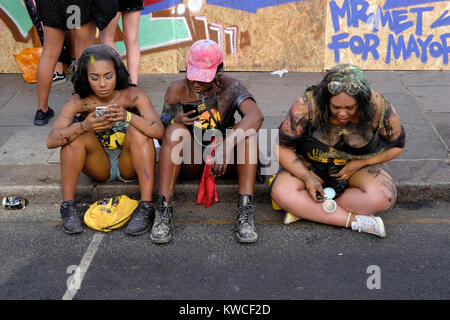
(75,144)
(382,197)
(175,133)
(281,190)
(136,136)
(389,193)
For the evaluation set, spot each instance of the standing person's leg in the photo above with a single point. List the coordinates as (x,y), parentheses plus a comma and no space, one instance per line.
(106,36)
(130,21)
(54,40)
(64,58)
(83,37)
(59,68)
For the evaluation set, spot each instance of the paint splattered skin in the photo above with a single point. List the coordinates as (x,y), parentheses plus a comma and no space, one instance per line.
(364,171)
(296,123)
(131,99)
(230,94)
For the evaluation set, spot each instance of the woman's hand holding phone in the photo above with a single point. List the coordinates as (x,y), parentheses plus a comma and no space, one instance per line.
(94,123)
(187,118)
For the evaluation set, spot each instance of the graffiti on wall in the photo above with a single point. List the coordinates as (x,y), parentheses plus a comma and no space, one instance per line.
(164,24)
(408,37)
(178,24)
(378,31)
(178,27)
(15,16)
(249,6)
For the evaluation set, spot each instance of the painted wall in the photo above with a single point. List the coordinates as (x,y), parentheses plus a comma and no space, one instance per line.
(267,35)
(389,34)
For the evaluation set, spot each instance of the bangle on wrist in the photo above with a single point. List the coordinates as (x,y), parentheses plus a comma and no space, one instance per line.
(128,116)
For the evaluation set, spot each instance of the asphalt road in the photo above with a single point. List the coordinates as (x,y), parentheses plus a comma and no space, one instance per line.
(204,261)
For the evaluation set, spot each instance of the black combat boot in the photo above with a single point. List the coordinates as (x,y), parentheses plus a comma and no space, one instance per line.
(162,227)
(244,214)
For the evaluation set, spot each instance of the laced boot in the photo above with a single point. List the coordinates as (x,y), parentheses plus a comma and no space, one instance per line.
(70,218)
(141,219)
(162,227)
(244,214)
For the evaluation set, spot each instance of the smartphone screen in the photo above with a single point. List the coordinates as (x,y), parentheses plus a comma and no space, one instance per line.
(187,107)
(100,112)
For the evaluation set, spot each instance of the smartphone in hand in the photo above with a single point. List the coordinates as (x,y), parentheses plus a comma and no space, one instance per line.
(188,107)
(100,111)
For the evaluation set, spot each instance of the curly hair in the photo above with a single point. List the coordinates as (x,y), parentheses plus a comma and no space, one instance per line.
(93,53)
(322,96)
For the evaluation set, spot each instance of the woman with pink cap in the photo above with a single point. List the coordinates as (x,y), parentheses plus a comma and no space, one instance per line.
(199,115)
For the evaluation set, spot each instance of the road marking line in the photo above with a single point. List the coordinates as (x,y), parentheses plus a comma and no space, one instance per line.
(278,221)
(74,281)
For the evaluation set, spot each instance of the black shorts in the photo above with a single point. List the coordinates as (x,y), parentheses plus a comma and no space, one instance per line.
(54,13)
(323,170)
(131,5)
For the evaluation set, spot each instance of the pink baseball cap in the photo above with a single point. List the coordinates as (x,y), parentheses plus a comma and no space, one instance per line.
(203,59)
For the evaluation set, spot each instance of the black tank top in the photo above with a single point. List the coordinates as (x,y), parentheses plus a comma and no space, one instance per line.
(317,151)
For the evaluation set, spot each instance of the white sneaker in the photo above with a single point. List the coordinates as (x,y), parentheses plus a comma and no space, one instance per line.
(369,224)
(289,218)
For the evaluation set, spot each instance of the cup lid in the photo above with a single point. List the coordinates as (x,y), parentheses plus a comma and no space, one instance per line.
(329,193)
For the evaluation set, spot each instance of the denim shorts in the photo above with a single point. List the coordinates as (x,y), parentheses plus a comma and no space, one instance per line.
(113,155)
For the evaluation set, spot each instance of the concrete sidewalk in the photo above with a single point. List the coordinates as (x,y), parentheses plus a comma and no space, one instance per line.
(422,98)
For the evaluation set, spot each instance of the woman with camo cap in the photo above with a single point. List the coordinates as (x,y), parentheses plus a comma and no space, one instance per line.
(337,135)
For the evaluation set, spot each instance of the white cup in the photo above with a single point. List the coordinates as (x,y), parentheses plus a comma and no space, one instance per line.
(329,206)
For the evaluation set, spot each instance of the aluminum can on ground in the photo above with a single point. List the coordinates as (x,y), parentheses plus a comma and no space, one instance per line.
(14,203)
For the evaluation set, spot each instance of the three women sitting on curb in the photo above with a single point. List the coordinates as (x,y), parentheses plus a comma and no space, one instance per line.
(336,135)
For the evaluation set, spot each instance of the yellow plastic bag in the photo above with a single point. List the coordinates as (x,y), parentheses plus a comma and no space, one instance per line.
(288,217)
(110,213)
(274,204)
(28,61)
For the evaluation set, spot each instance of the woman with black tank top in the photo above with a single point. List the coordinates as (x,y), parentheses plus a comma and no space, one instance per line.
(338,135)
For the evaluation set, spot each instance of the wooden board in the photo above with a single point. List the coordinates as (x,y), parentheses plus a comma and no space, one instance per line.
(411,37)
(296,35)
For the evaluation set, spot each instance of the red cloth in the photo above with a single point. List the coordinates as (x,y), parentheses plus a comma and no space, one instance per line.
(207,191)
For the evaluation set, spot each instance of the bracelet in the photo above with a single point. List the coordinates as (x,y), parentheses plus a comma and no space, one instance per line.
(348,219)
(81,126)
(128,116)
